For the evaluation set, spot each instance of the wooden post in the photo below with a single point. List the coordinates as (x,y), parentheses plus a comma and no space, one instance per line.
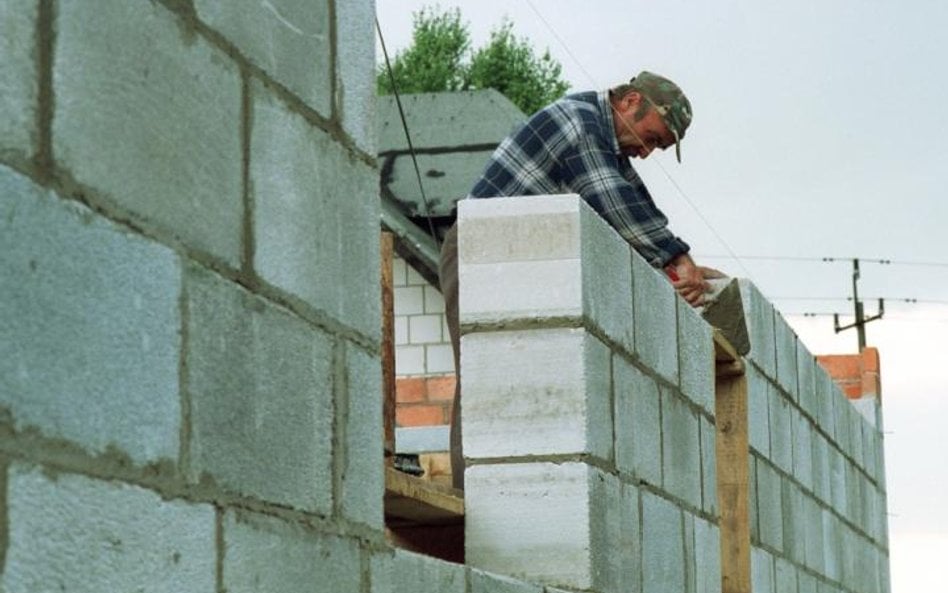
(388,348)
(730,410)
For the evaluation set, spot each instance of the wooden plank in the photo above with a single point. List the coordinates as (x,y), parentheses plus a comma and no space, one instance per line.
(413,501)
(388,348)
(733,481)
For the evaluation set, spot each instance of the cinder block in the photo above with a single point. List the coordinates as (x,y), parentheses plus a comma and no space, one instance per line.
(399,272)
(157,131)
(709,480)
(688,522)
(758,410)
(409,300)
(838,489)
(535,392)
(316,216)
(868,407)
(656,326)
(806,582)
(638,422)
(434,302)
(407,572)
(770,505)
(532,521)
(806,381)
(401,330)
(759,313)
(825,395)
(794,522)
(832,544)
(265,554)
(822,484)
(753,499)
(363,484)
(355,71)
(72,532)
(615,551)
(681,450)
(485,582)
(439,358)
(762,571)
(409,360)
(707,557)
(695,357)
(663,560)
(627,551)
(856,422)
(261,397)
(802,449)
(841,421)
(90,322)
(18,77)
(813,521)
(781,439)
(290,43)
(786,342)
(424,329)
(785,576)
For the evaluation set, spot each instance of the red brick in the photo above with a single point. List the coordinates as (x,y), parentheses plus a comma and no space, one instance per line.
(441,388)
(871,384)
(870,360)
(419,415)
(841,366)
(409,389)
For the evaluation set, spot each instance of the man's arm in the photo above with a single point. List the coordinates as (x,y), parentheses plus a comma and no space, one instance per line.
(688,279)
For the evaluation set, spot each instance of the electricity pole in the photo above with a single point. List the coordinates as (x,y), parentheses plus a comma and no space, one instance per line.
(858,310)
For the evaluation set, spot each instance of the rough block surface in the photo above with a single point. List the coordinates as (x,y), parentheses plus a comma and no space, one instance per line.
(681,450)
(18,77)
(786,342)
(72,533)
(638,423)
(607,278)
(707,557)
(709,470)
(758,410)
(663,554)
(316,216)
(535,392)
(264,554)
(656,326)
(261,404)
(781,431)
(770,505)
(407,572)
(362,478)
(89,318)
(485,582)
(531,521)
(355,71)
(157,131)
(802,449)
(759,314)
(289,40)
(695,357)
(762,571)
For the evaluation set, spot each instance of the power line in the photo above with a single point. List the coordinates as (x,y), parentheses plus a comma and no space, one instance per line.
(831,259)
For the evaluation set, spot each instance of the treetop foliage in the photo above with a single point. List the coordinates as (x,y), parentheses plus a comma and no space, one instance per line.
(440,59)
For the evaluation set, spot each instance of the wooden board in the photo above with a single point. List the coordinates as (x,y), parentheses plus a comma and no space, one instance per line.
(413,501)
(388,348)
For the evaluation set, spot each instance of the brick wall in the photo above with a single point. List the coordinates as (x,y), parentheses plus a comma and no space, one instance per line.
(589,418)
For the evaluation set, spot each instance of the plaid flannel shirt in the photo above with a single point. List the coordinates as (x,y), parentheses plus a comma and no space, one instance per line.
(570,146)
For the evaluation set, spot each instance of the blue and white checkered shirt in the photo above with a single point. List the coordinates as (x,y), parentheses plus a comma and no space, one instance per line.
(570,146)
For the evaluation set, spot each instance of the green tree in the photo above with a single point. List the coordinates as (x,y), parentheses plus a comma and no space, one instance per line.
(440,59)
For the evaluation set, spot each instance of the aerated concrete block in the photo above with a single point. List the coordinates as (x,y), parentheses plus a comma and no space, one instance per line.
(709,471)
(781,432)
(485,582)
(813,523)
(535,392)
(656,331)
(681,450)
(407,572)
(762,571)
(825,396)
(822,484)
(157,131)
(695,357)
(316,216)
(663,559)
(794,522)
(638,422)
(69,532)
(260,382)
(806,582)
(265,554)
(770,505)
(785,576)
(90,321)
(838,489)
(802,449)
(290,42)
(362,479)
(535,522)
(707,557)
(856,451)
(832,544)
(355,71)
(18,77)
(842,422)
(759,313)
(758,410)
(868,407)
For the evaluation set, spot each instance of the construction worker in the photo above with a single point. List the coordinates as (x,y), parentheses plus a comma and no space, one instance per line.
(582,144)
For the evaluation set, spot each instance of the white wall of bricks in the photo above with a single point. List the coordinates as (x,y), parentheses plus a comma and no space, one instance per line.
(422,343)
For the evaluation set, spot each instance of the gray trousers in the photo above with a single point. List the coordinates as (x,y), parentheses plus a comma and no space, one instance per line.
(448,276)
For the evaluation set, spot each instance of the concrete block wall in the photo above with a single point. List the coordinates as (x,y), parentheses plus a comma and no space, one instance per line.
(589,423)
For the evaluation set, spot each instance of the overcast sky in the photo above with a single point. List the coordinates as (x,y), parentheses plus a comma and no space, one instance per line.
(819,131)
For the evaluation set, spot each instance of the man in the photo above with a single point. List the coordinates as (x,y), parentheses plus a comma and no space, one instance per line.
(582,144)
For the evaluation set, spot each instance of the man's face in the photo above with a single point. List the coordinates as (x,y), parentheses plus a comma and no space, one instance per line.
(639,138)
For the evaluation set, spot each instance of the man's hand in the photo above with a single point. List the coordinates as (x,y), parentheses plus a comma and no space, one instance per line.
(688,279)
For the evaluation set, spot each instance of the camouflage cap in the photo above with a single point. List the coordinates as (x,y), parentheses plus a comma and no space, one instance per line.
(668,100)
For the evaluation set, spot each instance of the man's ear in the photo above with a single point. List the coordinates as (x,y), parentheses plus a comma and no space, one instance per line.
(631,101)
